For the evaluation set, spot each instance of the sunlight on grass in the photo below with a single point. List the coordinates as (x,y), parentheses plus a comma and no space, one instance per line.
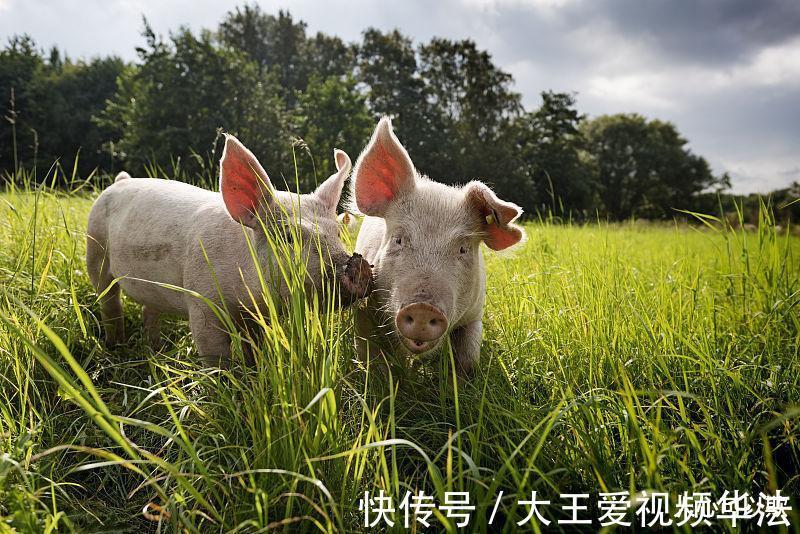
(615,357)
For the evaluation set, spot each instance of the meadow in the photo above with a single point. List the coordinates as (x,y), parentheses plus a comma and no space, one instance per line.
(616,357)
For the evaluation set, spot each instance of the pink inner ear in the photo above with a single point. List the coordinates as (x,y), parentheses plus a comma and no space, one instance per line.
(502,237)
(240,188)
(380,179)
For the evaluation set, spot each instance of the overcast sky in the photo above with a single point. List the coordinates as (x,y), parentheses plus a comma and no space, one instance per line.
(727,73)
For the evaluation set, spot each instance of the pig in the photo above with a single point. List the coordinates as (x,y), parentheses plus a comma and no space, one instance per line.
(422,239)
(145,230)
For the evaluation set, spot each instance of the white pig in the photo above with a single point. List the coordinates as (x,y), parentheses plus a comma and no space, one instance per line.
(144,230)
(423,241)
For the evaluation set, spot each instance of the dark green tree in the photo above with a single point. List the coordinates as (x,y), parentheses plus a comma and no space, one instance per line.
(66,98)
(451,105)
(249,30)
(472,108)
(20,64)
(326,56)
(643,168)
(183,92)
(330,114)
(387,66)
(277,44)
(467,87)
(550,150)
(55,101)
(286,93)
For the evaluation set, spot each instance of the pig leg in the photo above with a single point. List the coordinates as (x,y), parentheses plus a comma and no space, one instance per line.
(213,342)
(111,301)
(366,349)
(152,327)
(466,343)
(113,316)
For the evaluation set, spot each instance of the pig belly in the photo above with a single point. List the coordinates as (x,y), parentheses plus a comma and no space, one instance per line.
(150,224)
(146,259)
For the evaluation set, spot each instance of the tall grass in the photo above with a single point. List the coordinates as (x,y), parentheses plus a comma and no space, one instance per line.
(615,357)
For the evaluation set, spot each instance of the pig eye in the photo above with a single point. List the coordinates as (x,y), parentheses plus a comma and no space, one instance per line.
(462,250)
(398,240)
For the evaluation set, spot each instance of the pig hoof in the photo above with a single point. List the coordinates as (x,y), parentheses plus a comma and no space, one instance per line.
(357,278)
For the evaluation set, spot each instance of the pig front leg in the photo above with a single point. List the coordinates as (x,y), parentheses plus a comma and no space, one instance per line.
(213,342)
(366,324)
(466,343)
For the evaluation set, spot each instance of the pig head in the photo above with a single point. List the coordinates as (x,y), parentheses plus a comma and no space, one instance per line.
(423,239)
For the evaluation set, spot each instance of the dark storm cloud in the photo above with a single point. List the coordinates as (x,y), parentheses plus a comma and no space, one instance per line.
(711,33)
(706,31)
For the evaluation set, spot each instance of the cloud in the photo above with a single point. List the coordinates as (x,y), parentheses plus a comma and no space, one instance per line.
(726,73)
(701,31)
(740,109)
(773,65)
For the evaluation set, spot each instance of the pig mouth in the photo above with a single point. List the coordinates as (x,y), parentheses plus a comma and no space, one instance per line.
(417,346)
(356,277)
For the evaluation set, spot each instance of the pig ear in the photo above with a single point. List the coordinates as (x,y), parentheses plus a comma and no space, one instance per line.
(330,191)
(383,171)
(497,216)
(244,183)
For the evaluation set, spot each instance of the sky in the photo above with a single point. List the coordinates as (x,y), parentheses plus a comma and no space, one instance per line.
(725,72)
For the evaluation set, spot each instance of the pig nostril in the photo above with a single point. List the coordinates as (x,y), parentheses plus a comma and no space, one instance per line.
(433,322)
(409,320)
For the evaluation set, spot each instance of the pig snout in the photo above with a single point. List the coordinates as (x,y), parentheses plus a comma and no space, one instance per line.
(356,277)
(420,324)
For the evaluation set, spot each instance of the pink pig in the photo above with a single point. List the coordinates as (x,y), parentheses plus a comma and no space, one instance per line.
(144,233)
(423,240)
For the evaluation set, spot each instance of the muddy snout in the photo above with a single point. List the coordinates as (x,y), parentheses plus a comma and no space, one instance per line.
(356,277)
(420,325)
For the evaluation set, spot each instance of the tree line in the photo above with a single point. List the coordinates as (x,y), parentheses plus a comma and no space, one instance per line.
(292,96)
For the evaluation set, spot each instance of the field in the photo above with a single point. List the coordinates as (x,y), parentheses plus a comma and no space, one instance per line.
(622,357)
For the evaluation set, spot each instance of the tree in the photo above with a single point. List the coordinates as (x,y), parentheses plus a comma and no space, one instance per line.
(286,93)
(249,30)
(277,44)
(20,64)
(55,101)
(184,91)
(551,143)
(387,66)
(467,87)
(450,103)
(329,56)
(642,167)
(65,101)
(472,109)
(330,114)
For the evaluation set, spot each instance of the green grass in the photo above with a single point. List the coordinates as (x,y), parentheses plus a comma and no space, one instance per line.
(615,357)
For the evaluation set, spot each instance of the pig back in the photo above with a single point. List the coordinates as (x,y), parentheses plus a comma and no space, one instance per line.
(370,238)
